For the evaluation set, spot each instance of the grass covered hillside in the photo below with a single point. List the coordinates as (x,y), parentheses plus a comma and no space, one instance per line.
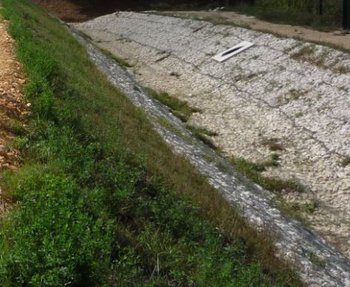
(100,200)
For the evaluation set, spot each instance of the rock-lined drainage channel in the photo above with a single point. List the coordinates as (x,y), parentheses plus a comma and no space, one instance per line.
(294,242)
(281,97)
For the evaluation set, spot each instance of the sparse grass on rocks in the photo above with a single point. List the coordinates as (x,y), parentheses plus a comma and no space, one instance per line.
(203,135)
(253,171)
(179,108)
(122,62)
(303,53)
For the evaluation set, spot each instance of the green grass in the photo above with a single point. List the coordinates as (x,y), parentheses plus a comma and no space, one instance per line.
(179,108)
(253,172)
(203,135)
(310,207)
(100,199)
(317,260)
(122,62)
(13,125)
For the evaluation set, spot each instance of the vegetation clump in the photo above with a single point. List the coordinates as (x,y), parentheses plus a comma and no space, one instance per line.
(253,171)
(179,108)
(203,135)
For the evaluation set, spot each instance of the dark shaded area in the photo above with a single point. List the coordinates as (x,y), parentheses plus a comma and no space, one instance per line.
(82,10)
(97,6)
(320,14)
(346,15)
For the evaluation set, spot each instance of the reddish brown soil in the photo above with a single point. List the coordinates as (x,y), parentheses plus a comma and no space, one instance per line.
(13,108)
(65,10)
(79,11)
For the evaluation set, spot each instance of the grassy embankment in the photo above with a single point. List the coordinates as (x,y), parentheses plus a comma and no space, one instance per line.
(100,200)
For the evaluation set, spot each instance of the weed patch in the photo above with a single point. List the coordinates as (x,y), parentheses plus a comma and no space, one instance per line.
(310,207)
(179,108)
(317,260)
(253,171)
(122,62)
(203,135)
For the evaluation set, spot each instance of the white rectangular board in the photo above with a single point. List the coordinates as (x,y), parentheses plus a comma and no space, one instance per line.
(223,56)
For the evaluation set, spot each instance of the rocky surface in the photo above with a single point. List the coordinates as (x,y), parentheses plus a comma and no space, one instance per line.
(280,92)
(316,262)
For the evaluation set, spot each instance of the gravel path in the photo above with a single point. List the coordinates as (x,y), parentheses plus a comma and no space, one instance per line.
(316,262)
(280,93)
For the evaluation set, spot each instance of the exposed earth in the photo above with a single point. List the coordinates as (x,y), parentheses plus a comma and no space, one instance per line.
(13,108)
